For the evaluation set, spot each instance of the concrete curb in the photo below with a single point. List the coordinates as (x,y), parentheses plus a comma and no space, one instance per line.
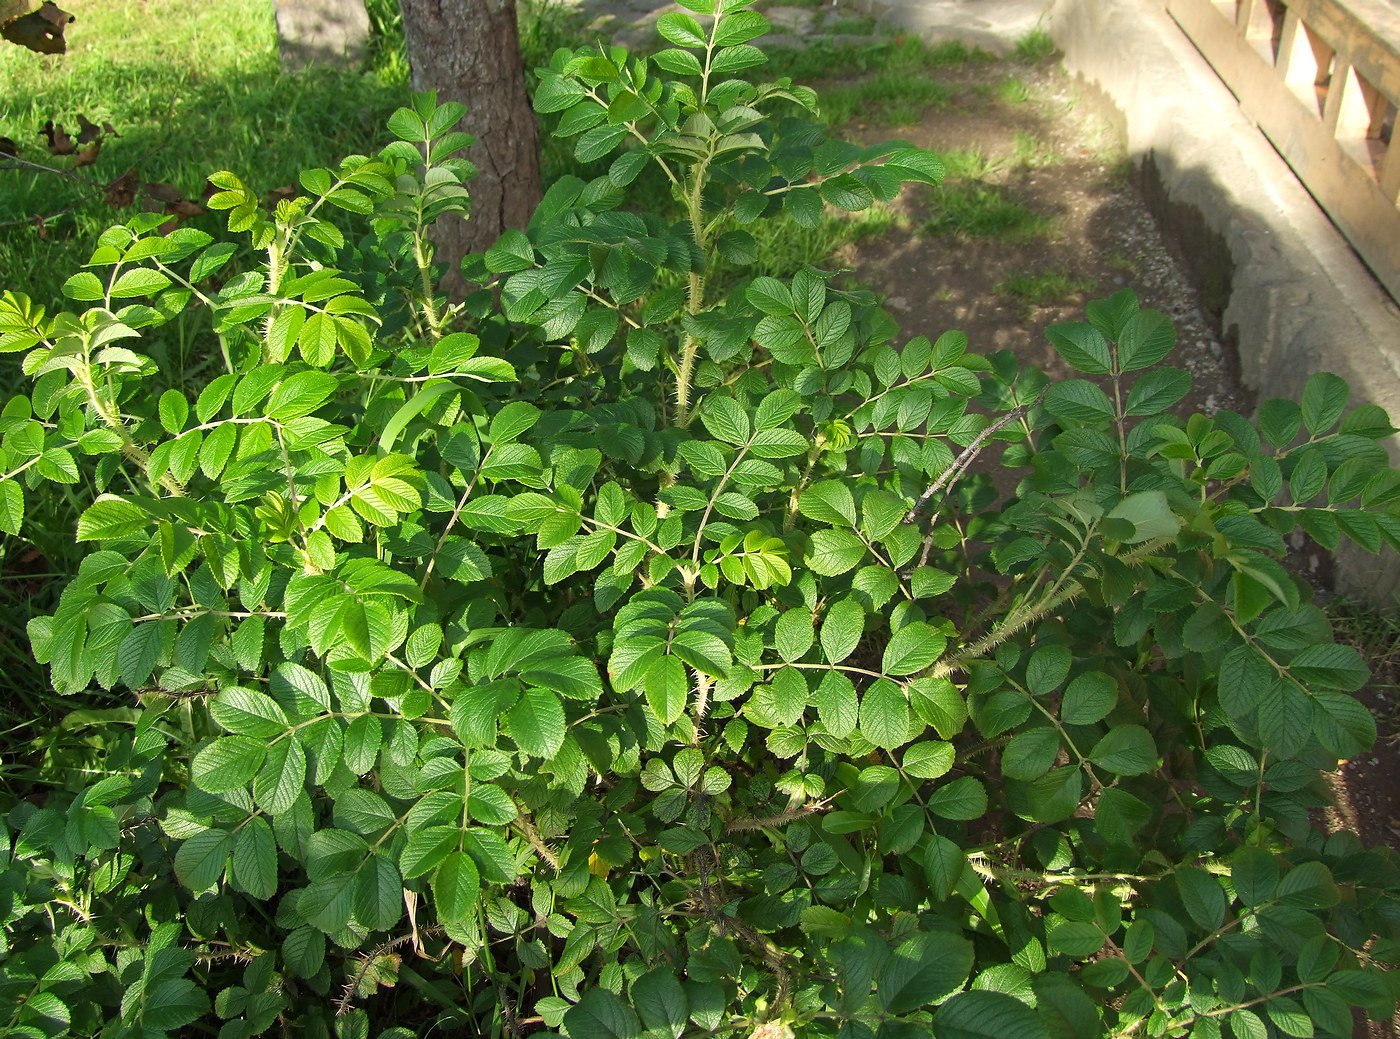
(1292,296)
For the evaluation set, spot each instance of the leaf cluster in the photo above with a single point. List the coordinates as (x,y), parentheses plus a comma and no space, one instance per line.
(642,647)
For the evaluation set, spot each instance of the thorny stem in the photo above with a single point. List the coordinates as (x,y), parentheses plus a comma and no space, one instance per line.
(1058,594)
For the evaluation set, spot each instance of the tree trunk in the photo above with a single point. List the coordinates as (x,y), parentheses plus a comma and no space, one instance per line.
(469,51)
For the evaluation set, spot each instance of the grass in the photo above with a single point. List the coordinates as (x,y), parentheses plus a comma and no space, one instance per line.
(191,88)
(1032,152)
(784,245)
(1036,45)
(886,98)
(1376,637)
(971,209)
(1012,90)
(823,60)
(1046,288)
(970,204)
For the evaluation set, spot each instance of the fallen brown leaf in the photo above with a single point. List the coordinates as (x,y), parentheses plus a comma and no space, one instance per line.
(41,31)
(183,208)
(121,192)
(59,141)
(88,131)
(163,192)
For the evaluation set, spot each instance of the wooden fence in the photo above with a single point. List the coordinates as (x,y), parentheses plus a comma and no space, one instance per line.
(1321,78)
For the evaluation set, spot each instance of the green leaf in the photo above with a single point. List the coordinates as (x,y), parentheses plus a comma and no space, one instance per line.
(913,648)
(884,715)
(247,712)
(725,419)
(1150,514)
(1285,720)
(201,859)
(1308,886)
(793,634)
(85,287)
(1079,401)
(427,848)
(842,629)
(961,800)
(174,409)
(304,951)
(1081,346)
(378,897)
(1157,390)
(681,29)
(110,517)
(300,394)
(829,501)
(139,281)
(1127,750)
(1324,400)
(987,1015)
(1030,754)
(740,27)
(661,1001)
(1254,872)
(536,722)
(227,763)
(282,777)
(456,886)
(512,420)
(922,970)
(491,805)
(11,507)
(943,864)
(362,739)
(1089,699)
(1077,938)
(139,652)
(834,552)
(1048,666)
(928,760)
(600,1014)
(1330,667)
(254,867)
(512,252)
(1202,896)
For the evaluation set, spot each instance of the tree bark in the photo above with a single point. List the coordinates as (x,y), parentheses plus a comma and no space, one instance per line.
(469,51)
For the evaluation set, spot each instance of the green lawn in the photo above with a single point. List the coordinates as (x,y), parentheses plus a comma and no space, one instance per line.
(191,88)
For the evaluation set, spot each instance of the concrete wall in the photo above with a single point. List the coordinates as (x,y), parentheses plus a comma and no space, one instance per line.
(1293,297)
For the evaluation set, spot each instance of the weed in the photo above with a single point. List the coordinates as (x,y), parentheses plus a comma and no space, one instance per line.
(1376,636)
(1036,45)
(783,243)
(968,164)
(190,88)
(545,26)
(1032,152)
(1012,90)
(1129,266)
(969,209)
(387,53)
(889,98)
(1046,288)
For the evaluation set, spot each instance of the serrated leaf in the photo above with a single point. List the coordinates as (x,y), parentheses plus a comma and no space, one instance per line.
(922,970)
(912,648)
(456,887)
